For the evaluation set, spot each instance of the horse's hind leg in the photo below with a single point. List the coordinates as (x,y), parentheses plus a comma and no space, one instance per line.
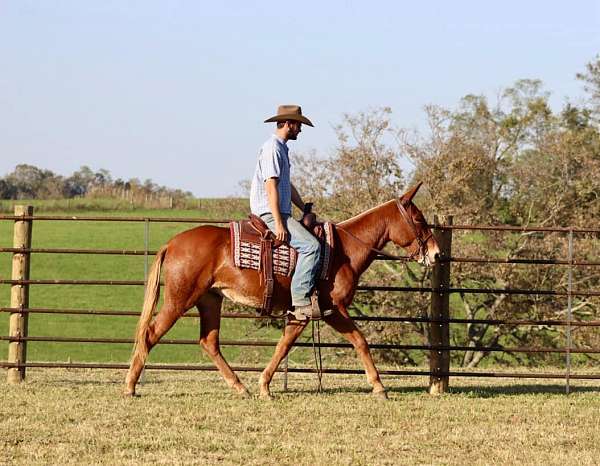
(161,324)
(209,307)
(345,325)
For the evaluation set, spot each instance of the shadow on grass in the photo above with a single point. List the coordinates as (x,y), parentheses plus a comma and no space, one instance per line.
(525,389)
(212,385)
(347,390)
(470,392)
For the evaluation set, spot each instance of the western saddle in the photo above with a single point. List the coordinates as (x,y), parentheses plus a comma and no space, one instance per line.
(254,246)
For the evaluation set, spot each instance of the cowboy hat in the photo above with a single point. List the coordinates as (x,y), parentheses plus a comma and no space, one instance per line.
(289,112)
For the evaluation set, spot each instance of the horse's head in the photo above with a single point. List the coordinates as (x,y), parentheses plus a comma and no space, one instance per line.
(409,230)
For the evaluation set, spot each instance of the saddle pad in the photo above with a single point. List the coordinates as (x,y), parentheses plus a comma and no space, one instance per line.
(246,254)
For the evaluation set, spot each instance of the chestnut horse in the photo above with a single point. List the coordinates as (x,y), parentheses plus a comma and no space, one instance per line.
(199,271)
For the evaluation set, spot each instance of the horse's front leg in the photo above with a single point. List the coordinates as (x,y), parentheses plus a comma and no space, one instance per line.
(342,322)
(292,331)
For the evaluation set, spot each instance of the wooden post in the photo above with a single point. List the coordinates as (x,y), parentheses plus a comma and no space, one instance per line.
(19,294)
(439,332)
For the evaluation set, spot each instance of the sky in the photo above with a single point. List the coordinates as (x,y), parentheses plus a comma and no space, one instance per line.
(177,91)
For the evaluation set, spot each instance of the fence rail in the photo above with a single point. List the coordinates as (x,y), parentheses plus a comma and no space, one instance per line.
(420,289)
(363,318)
(438,347)
(472,260)
(373,346)
(308,370)
(84,218)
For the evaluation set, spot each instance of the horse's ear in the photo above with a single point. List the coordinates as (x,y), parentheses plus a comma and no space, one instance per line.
(408,195)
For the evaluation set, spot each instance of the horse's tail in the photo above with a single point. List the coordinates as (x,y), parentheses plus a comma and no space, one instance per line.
(140,347)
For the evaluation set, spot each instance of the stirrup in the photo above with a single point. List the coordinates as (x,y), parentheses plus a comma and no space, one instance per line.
(308,312)
(317,313)
(320,314)
(300,313)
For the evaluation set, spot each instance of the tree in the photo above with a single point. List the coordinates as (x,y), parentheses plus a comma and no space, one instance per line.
(519,163)
(7,189)
(30,182)
(363,172)
(591,79)
(80,182)
(513,161)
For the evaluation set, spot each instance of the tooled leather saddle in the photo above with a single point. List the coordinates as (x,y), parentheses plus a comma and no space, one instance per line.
(254,246)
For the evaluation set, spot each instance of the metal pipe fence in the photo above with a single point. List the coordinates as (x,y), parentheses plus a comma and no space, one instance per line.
(21,249)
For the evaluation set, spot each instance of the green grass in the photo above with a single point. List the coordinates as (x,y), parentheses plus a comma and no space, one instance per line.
(79,417)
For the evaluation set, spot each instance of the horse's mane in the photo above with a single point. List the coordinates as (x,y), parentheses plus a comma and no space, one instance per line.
(362,214)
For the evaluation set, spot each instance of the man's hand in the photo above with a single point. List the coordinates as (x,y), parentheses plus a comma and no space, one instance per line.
(280,231)
(309,220)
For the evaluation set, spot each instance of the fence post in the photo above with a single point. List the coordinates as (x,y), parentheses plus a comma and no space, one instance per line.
(569,313)
(19,295)
(439,332)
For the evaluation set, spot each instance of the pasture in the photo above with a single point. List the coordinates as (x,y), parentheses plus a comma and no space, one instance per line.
(78,416)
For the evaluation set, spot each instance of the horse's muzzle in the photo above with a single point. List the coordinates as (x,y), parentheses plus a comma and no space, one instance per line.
(432,255)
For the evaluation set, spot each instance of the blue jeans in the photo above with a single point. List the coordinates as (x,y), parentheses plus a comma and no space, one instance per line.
(308,248)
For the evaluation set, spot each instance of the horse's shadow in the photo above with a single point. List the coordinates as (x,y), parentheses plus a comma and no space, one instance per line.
(525,389)
(475,391)
(469,392)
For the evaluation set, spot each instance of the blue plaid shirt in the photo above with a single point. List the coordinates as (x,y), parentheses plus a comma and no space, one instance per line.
(273,162)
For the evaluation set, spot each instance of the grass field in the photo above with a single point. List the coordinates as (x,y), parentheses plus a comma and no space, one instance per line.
(78,417)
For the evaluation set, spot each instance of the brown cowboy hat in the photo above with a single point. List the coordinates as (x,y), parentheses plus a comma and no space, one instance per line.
(289,112)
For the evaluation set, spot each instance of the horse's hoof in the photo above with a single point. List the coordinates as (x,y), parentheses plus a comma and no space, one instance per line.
(244,393)
(382,395)
(130,394)
(266,396)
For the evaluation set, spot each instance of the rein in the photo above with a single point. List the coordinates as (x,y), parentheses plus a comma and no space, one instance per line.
(316,343)
(378,251)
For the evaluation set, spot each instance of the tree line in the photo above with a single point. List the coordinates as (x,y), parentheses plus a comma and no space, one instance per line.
(30,182)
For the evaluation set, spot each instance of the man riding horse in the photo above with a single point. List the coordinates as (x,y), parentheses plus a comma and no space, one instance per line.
(271,197)
(200,268)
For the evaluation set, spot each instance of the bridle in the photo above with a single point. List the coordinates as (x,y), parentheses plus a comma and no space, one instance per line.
(421,248)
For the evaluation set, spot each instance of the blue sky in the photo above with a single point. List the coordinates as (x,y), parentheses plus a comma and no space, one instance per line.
(176,91)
